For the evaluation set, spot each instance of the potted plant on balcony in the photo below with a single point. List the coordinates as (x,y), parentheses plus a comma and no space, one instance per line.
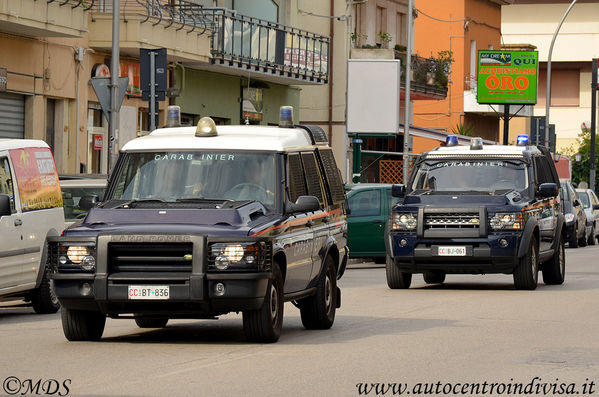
(358,39)
(384,38)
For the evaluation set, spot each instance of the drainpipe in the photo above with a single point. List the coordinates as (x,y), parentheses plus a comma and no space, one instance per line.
(332,37)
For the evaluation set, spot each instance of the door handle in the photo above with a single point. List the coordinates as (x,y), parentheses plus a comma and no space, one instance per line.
(18,222)
(377,221)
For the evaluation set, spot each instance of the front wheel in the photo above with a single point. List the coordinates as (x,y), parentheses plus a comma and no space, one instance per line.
(43,299)
(264,324)
(395,278)
(554,271)
(573,242)
(318,311)
(583,240)
(526,275)
(79,325)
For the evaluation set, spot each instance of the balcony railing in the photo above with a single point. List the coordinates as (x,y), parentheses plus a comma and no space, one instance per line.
(429,75)
(85,4)
(237,40)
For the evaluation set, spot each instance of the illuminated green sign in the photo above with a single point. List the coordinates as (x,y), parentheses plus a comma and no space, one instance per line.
(507,77)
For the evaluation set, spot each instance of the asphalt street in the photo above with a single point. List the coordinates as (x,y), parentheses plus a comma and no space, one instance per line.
(470,330)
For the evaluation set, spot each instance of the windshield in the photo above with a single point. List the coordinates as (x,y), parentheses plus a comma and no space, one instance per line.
(173,176)
(471,176)
(584,198)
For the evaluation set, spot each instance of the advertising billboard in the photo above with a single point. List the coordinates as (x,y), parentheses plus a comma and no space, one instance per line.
(507,77)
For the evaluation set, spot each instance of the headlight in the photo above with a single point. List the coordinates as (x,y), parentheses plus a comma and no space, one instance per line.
(76,257)
(569,217)
(507,221)
(403,221)
(240,256)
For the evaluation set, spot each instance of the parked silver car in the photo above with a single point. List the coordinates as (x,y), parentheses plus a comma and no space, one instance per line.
(591,208)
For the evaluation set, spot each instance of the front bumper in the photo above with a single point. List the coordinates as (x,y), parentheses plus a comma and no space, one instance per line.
(192,293)
(483,255)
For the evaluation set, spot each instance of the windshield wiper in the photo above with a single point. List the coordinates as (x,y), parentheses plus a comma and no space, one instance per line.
(127,204)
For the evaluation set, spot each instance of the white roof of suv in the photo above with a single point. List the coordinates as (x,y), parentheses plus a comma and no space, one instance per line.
(486,151)
(8,144)
(234,137)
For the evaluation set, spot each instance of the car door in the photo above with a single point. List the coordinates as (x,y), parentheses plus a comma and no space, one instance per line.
(595,202)
(548,214)
(366,225)
(11,243)
(298,238)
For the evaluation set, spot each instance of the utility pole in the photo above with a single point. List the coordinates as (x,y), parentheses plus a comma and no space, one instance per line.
(113,133)
(406,121)
(548,98)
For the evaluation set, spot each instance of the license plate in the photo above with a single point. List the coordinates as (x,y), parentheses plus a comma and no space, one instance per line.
(148,292)
(451,251)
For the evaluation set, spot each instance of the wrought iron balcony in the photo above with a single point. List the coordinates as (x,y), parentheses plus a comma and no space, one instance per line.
(238,41)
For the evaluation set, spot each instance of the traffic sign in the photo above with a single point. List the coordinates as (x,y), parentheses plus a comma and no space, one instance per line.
(102,89)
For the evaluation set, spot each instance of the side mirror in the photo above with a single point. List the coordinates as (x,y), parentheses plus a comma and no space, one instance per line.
(347,209)
(88,202)
(576,203)
(303,204)
(398,191)
(595,206)
(5,208)
(547,190)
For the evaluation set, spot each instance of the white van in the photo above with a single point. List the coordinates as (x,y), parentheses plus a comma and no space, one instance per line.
(30,211)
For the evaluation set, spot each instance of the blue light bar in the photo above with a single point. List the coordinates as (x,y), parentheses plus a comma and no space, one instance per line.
(286,117)
(451,140)
(522,140)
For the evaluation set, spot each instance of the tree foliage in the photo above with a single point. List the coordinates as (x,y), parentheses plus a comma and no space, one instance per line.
(580,169)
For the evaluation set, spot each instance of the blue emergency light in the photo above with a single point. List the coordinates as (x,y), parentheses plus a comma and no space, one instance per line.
(522,140)
(286,117)
(451,140)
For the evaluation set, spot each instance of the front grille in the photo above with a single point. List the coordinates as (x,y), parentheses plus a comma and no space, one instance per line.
(452,221)
(141,257)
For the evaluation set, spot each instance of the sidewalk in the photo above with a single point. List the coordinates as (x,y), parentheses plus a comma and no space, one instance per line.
(364,264)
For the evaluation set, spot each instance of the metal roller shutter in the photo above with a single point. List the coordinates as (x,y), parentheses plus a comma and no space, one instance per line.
(12,115)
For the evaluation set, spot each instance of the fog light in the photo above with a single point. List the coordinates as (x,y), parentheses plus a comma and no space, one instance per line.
(88,263)
(221,262)
(503,242)
(219,289)
(62,260)
(250,258)
(85,289)
(403,242)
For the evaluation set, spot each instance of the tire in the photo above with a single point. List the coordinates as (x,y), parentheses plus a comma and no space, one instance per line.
(395,278)
(591,239)
(79,325)
(318,311)
(573,242)
(264,325)
(554,271)
(43,298)
(434,277)
(379,260)
(526,275)
(583,240)
(151,322)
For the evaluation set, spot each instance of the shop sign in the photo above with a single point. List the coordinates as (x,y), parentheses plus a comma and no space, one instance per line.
(98,141)
(507,77)
(252,104)
(3,79)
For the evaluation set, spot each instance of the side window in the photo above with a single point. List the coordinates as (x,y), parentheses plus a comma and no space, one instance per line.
(365,203)
(543,170)
(313,179)
(594,198)
(296,182)
(332,174)
(6,184)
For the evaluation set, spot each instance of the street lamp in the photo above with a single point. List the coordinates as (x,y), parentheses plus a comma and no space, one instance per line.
(548,98)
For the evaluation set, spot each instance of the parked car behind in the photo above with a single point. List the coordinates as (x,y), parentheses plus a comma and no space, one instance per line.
(370,205)
(76,187)
(576,233)
(591,208)
(30,211)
